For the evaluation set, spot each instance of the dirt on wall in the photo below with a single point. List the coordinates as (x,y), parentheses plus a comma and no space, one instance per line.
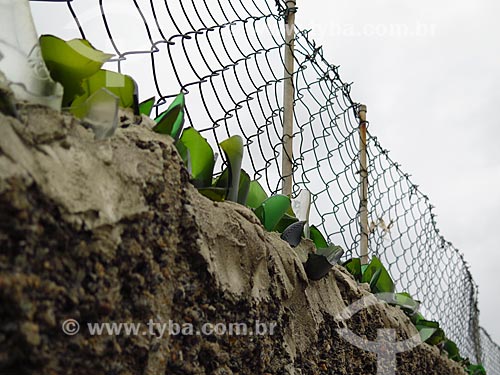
(112,231)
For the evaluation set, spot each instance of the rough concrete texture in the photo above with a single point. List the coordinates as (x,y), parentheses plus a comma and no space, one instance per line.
(112,231)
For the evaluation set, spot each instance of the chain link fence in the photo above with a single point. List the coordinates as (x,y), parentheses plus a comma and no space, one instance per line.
(490,353)
(227,57)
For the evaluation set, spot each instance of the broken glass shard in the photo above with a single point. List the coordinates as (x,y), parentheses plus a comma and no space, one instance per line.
(21,59)
(101,113)
(301,206)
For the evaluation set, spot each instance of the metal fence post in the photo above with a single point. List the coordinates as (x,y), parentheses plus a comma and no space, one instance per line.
(288,100)
(363,211)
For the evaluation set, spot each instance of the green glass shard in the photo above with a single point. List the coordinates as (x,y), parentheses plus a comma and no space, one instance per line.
(171,121)
(201,157)
(272,210)
(146,107)
(233,149)
(256,195)
(122,86)
(70,62)
(317,237)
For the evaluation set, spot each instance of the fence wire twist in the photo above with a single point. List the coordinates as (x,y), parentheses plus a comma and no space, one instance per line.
(227,57)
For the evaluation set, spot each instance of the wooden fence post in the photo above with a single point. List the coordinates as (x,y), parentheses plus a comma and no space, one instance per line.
(363,185)
(288,100)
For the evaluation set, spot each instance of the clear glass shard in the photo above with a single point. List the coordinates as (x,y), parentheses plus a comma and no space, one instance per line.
(101,113)
(21,59)
(332,254)
(301,206)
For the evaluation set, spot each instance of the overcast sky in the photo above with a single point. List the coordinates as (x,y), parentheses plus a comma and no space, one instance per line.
(430,74)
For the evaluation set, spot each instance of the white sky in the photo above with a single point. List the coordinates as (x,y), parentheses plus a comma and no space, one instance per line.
(429,73)
(431,101)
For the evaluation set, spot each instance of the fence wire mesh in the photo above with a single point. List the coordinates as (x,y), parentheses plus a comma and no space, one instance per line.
(490,353)
(227,57)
